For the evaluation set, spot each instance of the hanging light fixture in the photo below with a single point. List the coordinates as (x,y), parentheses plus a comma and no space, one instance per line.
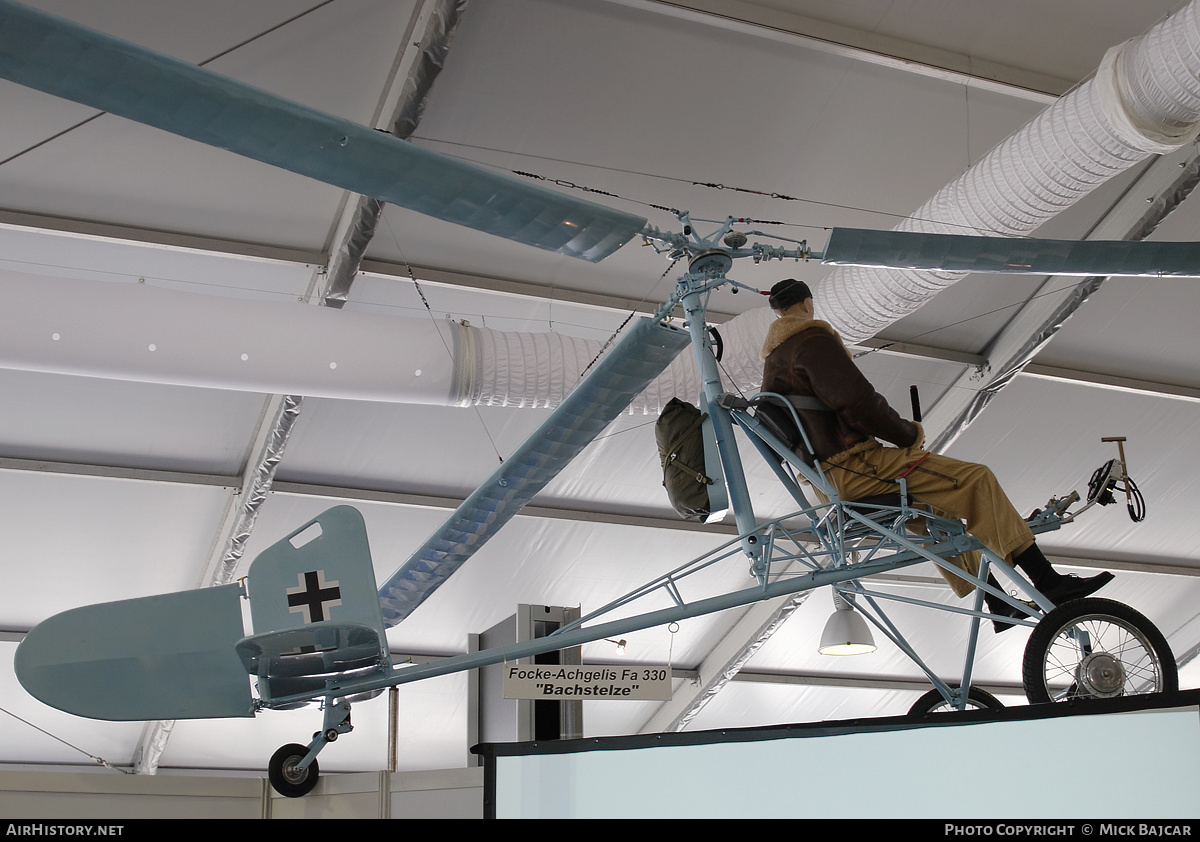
(846,632)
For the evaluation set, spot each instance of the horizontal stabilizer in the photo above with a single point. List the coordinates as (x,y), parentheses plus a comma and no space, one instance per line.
(1010,255)
(641,355)
(74,62)
(159,657)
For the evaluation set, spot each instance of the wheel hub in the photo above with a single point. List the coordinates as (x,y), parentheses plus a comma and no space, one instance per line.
(291,773)
(1101,675)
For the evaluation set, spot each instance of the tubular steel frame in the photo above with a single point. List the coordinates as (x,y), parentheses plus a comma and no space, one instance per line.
(838,543)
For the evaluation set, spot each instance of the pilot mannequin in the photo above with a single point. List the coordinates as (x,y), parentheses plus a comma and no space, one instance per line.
(804,356)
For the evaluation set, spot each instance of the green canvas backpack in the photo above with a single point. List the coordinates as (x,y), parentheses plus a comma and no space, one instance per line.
(681,452)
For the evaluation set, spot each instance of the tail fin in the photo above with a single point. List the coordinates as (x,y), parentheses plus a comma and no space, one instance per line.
(320,573)
(315,610)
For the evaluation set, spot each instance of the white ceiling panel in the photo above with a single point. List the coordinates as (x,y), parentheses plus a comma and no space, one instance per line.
(91,421)
(697,117)
(1026,36)
(1043,438)
(91,257)
(109,539)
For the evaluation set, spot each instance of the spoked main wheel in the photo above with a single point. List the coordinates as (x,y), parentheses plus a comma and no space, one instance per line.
(1096,649)
(286,777)
(933,702)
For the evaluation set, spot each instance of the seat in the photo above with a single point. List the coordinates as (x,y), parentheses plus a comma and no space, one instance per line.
(780,422)
(880,508)
(303,661)
(778,418)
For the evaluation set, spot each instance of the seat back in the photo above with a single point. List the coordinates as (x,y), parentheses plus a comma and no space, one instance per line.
(780,421)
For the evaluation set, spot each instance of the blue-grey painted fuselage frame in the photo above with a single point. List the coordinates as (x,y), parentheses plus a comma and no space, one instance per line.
(836,543)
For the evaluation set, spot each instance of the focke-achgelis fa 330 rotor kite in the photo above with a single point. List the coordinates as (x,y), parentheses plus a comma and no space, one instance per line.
(319,619)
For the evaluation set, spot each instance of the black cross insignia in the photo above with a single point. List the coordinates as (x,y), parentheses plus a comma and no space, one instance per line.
(313,595)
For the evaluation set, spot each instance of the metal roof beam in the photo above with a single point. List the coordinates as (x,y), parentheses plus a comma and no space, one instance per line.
(170,240)
(861,45)
(1162,184)
(341,494)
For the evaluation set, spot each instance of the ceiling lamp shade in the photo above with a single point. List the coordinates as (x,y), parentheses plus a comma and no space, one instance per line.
(846,632)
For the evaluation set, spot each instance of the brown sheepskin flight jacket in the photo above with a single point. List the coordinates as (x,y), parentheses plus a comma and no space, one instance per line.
(803,356)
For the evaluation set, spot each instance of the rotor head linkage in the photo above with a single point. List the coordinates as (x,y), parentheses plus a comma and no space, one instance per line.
(734,239)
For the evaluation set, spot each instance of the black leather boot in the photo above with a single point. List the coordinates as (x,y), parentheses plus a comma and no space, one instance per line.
(1000,608)
(1054,586)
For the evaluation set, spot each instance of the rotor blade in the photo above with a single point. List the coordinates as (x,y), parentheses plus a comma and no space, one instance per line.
(1010,255)
(73,62)
(638,358)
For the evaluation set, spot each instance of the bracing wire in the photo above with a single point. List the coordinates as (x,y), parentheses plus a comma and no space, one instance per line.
(449,351)
(621,326)
(98,760)
(208,60)
(711,185)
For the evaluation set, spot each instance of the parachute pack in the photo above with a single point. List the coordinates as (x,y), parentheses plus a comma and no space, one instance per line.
(680,437)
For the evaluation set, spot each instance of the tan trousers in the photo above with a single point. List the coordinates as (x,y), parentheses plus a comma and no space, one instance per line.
(950,487)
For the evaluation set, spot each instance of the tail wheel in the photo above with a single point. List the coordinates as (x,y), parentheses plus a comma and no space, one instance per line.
(285,775)
(935,702)
(1096,649)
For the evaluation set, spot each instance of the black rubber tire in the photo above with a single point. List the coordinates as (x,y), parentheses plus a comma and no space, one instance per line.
(1128,655)
(285,778)
(933,702)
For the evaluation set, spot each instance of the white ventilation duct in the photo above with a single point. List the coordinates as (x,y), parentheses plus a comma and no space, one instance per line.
(138,332)
(1144,100)
(523,369)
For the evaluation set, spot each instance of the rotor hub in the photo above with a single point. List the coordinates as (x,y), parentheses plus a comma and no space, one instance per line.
(712,263)
(1101,676)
